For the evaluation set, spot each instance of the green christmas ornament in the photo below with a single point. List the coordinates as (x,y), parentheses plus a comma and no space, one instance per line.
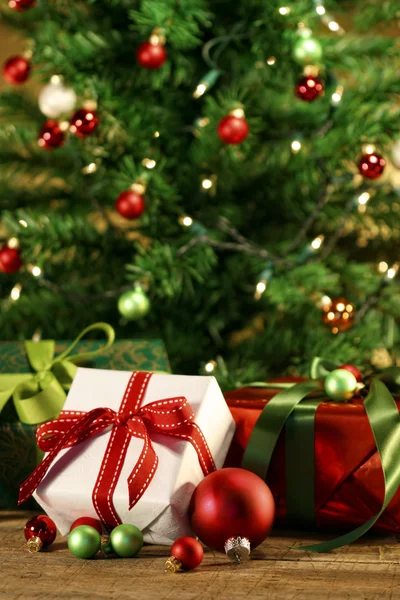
(84,541)
(340,385)
(126,540)
(134,304)
(307,51)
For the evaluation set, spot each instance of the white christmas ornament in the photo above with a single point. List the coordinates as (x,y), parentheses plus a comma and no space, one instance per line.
(55,99)
(396,154)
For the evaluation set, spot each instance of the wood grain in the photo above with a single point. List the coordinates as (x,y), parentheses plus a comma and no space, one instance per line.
(367,570)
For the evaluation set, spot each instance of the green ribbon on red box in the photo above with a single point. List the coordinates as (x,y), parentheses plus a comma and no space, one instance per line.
(40,396)
(287,410)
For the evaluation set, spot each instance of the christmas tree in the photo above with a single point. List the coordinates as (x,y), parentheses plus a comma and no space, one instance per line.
(219,174)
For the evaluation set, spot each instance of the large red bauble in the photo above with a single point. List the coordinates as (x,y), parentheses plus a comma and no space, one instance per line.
(231,503)
(84,122)
(309,88)
(189,551)
(354,370)
(42,527)
(10,260)
(21,5)
(151,56)
(16,70)
(233,130)
(95,523)
(51,136)
(130,205)
(371,165)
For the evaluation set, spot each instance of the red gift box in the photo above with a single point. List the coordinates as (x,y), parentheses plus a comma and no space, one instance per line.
(349,484)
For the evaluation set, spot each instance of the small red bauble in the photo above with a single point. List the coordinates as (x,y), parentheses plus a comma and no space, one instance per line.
(352,369)
(39,532)
(233,130)
(10,260)
(84,122)
(51,136)
(130,205)
(186,553)
(151,56)
(16,70)
(230,504)
(309,88)
(371,165)
(95,523)
(21,5)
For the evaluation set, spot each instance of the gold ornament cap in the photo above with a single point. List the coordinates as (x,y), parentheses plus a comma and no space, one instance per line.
(173,565)
(237,549)
(34,544)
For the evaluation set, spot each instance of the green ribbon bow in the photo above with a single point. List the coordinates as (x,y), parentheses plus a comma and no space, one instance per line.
(40,396)
(287,410)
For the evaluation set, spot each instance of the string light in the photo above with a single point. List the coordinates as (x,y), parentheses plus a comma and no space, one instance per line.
(271,60)
(296,146)
(206,184)
(320,9)
(90,168)
(156,134)
(337,95)
(23,223)
(363,198)
(36,271)
(392,272)
(317,242)
(16,292)
(284,10)
(369,149)
(13,243)
(200,90)
(210,366)
(149,163)
(265,277)
(186,221)
(383,267)
(333,26)
(206,82)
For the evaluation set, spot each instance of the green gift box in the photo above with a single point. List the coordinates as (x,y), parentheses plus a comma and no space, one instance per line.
(18,451)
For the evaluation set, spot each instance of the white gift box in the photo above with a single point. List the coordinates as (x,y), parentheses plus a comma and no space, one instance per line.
(66,491)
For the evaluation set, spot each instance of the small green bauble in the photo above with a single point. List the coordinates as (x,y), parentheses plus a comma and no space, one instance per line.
(307,51)
(134,304)
(126,540)
(340,385)
(84,541)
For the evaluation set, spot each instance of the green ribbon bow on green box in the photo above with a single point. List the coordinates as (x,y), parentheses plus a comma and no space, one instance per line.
(40,396)
(287,410)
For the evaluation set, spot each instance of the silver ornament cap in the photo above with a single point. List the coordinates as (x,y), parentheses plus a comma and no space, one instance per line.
(237,549)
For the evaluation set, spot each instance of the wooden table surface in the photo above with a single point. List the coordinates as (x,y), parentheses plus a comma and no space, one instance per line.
(367,570)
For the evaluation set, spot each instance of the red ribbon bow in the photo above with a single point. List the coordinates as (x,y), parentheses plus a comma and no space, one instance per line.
(171,416)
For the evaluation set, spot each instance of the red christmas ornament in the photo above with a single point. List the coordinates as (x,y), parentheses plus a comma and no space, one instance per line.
(309,88)
(371,165)
(51,136)
(352,369)
(95,523)
(16,70)
(39,532)
(151,56)
(233,130)
(10,260)
(130,205)
(21,5)
(231,510)
(186,554)
(84,122)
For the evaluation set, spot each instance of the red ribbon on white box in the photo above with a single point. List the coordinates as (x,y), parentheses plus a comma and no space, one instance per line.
(171,416)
